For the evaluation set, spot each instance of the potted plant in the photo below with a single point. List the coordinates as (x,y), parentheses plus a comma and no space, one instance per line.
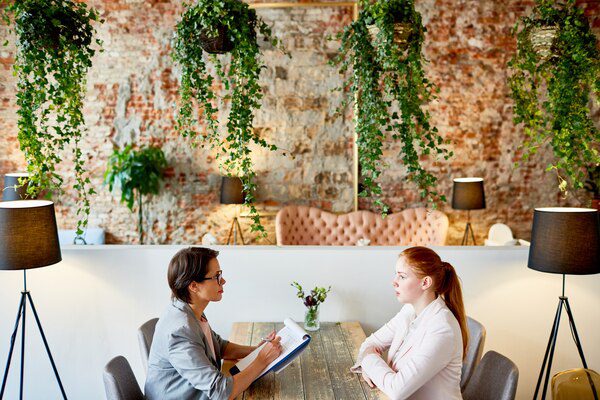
(312,302)
(592,185)
(55,46)
(138,173)
(553,72)
(207,28)
(382,61)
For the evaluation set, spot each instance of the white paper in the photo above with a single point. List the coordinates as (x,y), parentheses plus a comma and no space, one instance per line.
(292,336)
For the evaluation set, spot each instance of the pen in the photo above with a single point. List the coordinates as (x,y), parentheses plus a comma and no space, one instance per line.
(267,339)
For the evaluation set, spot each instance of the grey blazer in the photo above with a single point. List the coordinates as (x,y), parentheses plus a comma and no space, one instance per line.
(180,364)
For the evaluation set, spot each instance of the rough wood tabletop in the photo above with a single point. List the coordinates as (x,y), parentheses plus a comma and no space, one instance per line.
(322,372)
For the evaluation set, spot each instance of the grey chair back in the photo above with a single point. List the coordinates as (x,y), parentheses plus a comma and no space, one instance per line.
(145,336)
(119,381)
(495,378)
(474,351)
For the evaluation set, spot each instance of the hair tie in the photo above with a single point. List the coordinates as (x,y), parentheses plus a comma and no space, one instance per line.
(447,275)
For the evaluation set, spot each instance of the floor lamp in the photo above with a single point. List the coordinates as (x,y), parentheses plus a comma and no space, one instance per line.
(468,194)
(28,239)
(564,241)
(232,192)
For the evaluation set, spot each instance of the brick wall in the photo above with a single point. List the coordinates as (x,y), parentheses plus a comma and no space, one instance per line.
(132,90)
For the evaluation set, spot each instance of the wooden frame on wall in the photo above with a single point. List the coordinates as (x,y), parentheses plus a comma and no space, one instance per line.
(354,5)
(311,4)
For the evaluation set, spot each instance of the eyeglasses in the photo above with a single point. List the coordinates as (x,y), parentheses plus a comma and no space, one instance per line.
(218,277)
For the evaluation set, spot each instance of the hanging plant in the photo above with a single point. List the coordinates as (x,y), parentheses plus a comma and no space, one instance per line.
(55,41)
(137,173)
(208,28)
(381,58)
(554,71)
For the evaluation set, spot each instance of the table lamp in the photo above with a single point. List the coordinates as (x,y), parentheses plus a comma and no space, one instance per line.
(564,241)
(12,189)
(468,194)
(232,192)
(28,239)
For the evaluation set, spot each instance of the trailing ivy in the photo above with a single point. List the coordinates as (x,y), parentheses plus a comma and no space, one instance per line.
(239,76)
(55,40)
(551,89)
(137,173)
(385,80)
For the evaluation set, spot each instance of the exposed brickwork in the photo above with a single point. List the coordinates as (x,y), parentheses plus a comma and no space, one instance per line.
(132,91)
(469,44)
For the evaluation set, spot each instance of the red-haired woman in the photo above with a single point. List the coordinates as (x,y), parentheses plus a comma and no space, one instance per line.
(426,340)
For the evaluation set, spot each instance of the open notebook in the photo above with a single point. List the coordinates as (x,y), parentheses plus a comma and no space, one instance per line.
(293,341)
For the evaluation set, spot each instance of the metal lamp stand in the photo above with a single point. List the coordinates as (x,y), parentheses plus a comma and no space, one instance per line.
(26,296)
(235,228)
(468,229)
(562,302)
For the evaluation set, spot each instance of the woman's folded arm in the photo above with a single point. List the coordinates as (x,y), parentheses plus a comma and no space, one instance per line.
(416,368)
(380,340)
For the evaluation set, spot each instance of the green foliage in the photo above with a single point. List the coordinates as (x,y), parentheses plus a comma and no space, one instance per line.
(382,77)
(316,296)
(138,173)
(239,78)
(54,52)
(552,95)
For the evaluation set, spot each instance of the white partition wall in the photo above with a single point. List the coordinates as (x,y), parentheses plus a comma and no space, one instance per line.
(93,301)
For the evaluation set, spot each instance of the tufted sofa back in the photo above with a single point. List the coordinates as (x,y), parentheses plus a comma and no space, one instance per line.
(301,225)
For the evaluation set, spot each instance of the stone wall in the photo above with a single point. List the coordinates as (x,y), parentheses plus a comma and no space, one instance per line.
(132,94)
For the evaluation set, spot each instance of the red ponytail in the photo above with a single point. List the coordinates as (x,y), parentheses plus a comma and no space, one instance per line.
(426,262)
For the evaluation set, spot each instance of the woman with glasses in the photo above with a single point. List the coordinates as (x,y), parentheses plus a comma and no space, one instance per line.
(185,356)
(427,340)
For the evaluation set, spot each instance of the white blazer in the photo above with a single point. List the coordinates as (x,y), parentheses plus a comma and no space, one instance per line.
(425,355)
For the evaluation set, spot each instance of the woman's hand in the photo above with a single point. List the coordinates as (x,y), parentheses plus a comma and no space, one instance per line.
(368,380)
(269,338)
(371,350)
(270,351)
(266,355)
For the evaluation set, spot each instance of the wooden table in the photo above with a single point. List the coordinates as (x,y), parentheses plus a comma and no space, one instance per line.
(320,373)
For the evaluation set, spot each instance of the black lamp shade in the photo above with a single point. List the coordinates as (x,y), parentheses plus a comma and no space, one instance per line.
(9,193)
(468,194)
(232,191)
(28,235)
(565,241)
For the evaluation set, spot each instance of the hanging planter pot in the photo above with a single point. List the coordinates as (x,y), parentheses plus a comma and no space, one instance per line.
(218,44)
(402,31)
(233,27)
(221,42)
(55,48)
(376,52)
(552,98)
(46,26)
(542,41)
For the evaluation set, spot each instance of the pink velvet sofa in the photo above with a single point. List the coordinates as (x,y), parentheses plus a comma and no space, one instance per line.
(301,225)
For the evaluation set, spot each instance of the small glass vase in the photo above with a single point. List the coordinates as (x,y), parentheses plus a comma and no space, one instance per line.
(311,319)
